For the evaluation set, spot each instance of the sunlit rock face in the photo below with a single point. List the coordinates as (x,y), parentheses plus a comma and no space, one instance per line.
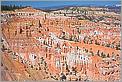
(72,44)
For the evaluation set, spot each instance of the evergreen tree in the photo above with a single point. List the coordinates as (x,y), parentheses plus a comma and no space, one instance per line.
(10,7)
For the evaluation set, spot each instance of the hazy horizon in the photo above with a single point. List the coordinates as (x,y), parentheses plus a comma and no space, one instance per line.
(47,4)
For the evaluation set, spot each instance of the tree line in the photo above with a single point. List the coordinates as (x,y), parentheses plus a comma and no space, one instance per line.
(11,7)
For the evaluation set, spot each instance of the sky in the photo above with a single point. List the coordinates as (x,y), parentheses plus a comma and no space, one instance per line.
(44,4)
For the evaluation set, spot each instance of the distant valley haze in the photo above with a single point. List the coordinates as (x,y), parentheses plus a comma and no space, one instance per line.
(52,5)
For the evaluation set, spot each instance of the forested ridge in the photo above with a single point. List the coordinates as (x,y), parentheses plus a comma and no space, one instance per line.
(11,7)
